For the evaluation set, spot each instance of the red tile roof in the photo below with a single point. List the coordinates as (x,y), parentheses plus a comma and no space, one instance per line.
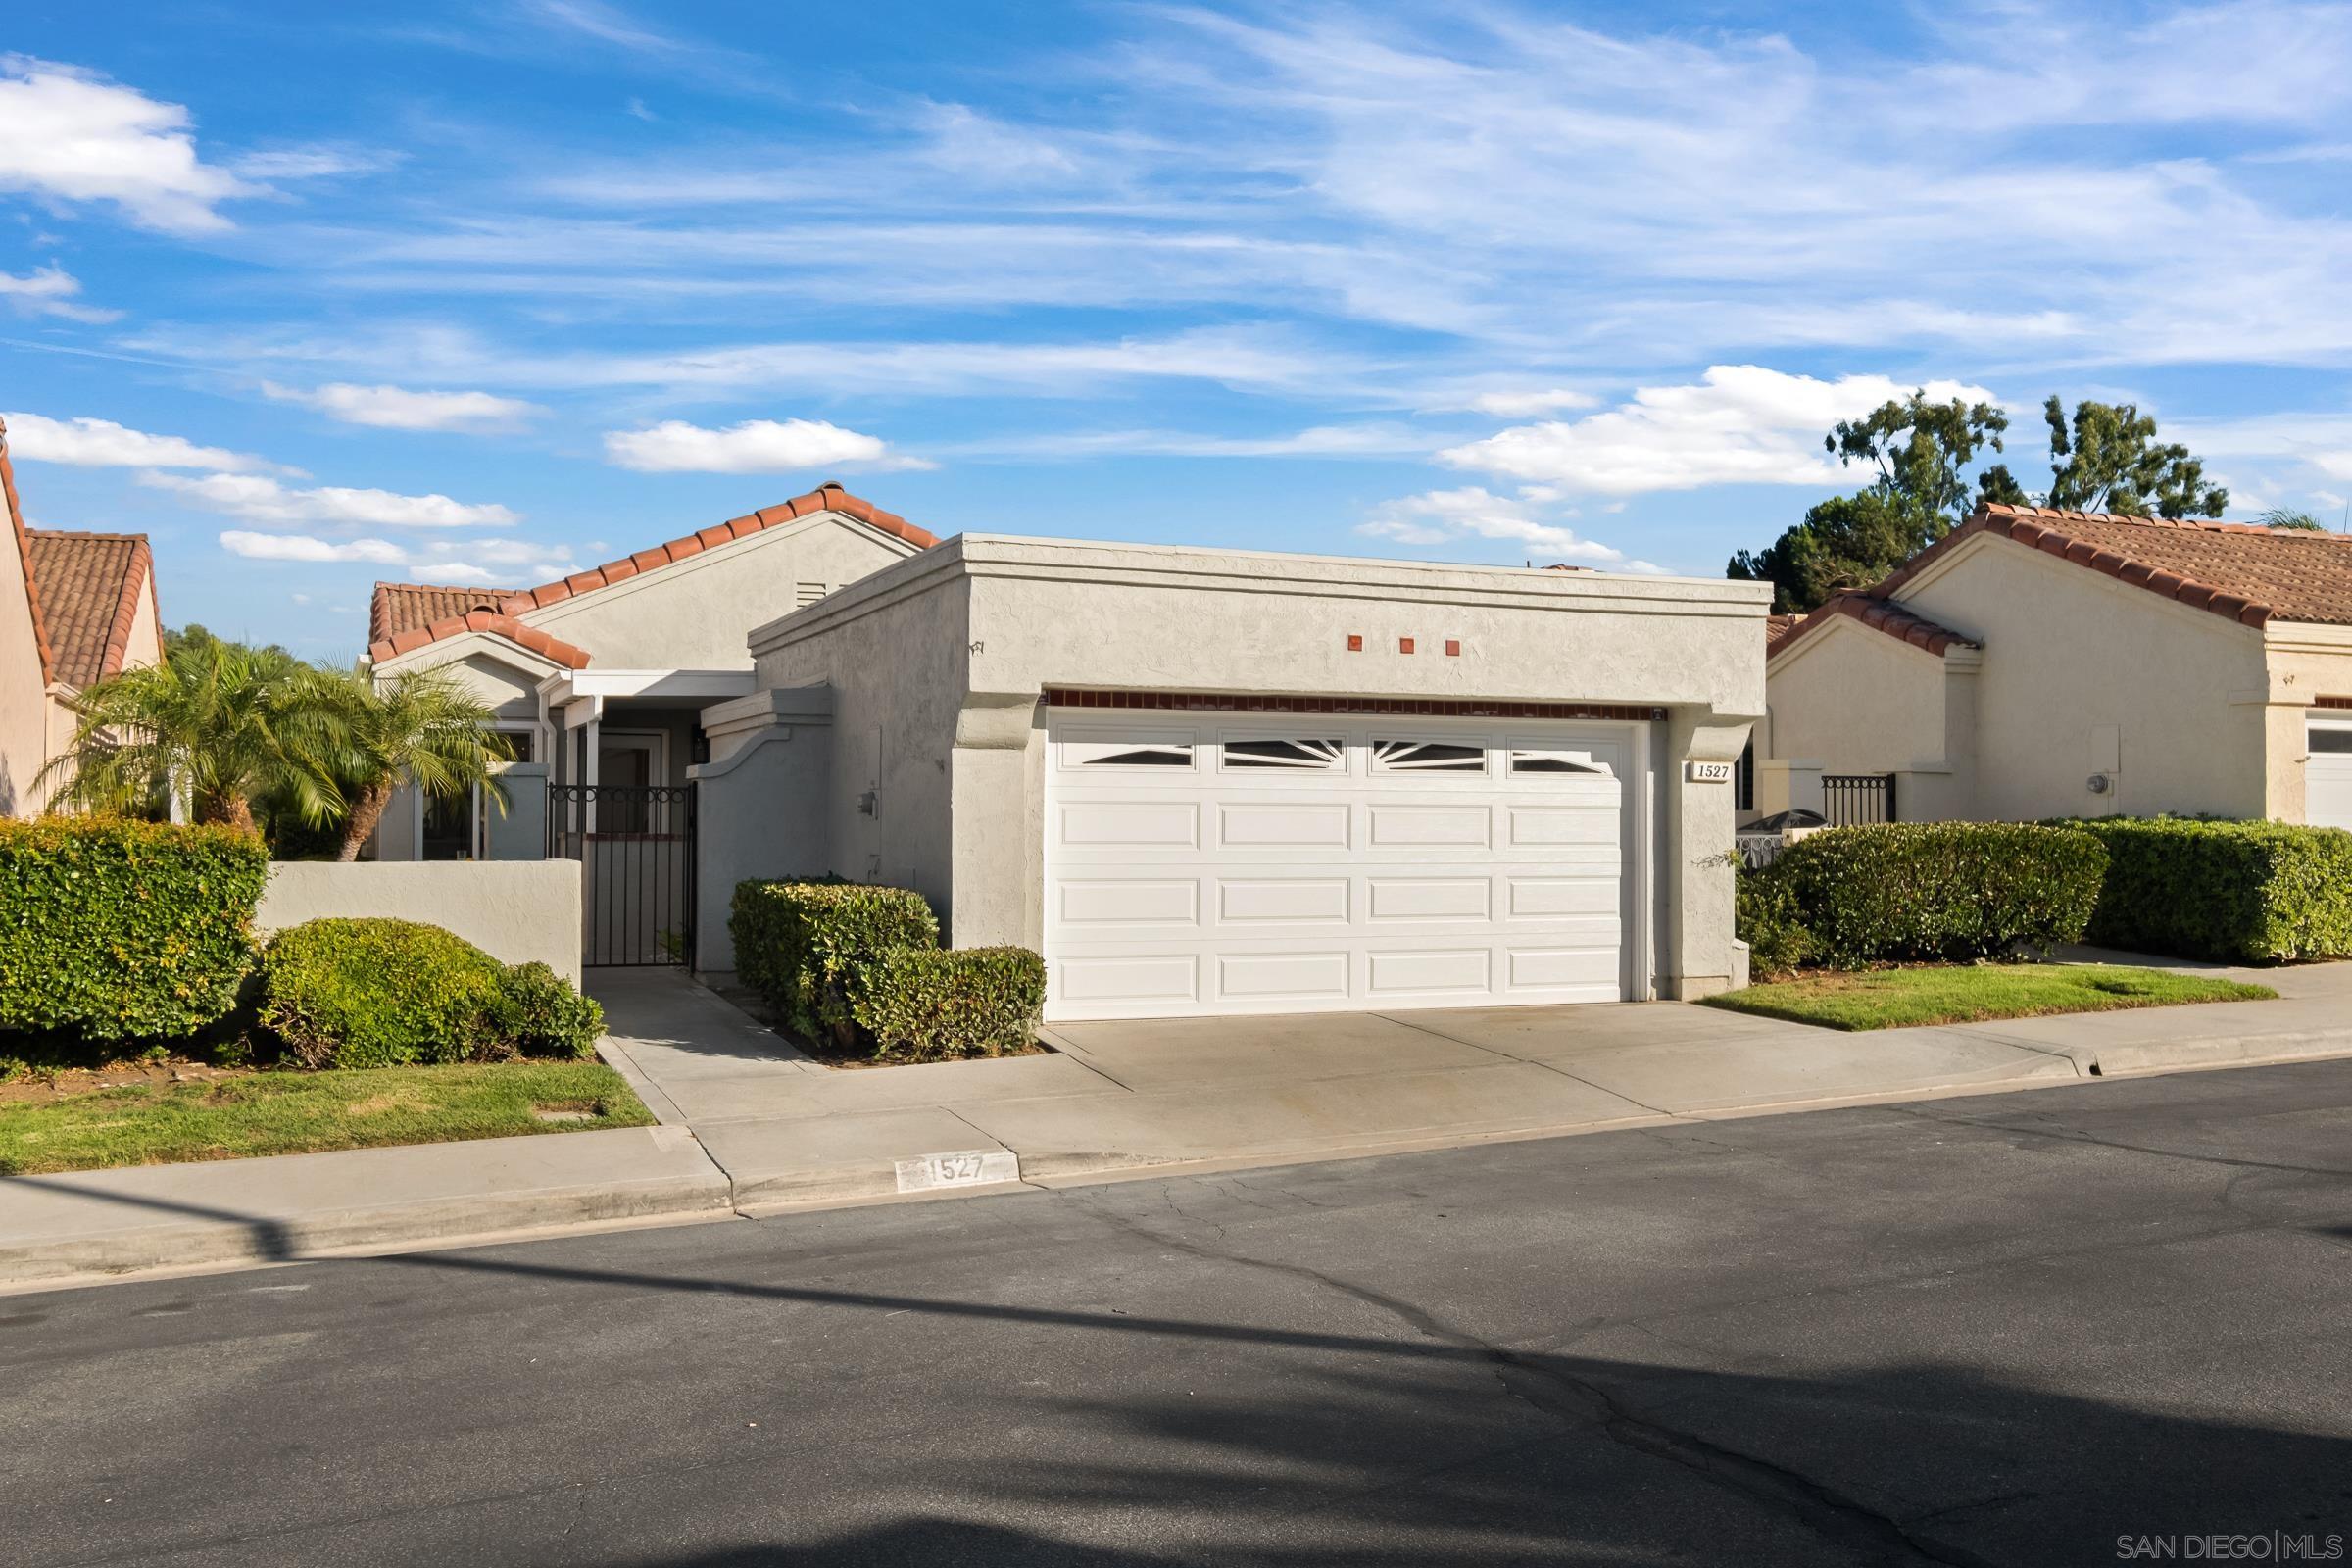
(486,620)
(32,592)
(386,635)
(1876,613)
(2242,571)
(91,585)
(401,606)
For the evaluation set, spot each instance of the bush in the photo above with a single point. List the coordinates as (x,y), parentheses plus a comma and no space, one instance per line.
(119,930)
(1767,918)
(381,994)
(796,943)
(932,1003)
(2238,891)
(1941,890)
(539,1014)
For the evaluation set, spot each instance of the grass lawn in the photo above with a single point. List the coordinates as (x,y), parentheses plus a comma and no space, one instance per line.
(1898,998)
(299,1112)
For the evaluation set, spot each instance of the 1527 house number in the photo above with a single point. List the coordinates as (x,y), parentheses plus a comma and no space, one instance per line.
(1707,772)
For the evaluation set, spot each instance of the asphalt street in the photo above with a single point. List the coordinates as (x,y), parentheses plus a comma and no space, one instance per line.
(2028,1328)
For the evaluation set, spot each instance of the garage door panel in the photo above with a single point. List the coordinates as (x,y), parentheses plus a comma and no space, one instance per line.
(1463,826)
(1287,869)
(1284,976)
(1264,900)
(1393,898)
(1126,902)
(1283,826)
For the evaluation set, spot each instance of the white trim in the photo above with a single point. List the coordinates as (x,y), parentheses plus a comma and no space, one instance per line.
(572,685)
(450,650)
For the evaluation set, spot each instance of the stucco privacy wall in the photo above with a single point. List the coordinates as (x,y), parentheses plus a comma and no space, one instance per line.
(937,665)
(1857,700)
(2305,662)
(514,910)
(2070,654)
(693,613)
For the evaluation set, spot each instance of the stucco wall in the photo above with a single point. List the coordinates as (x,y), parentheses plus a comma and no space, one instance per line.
(514,910)
(1857,701)
(24,699)
(2072,657)
(937,664)
(694,615)
(2304,663)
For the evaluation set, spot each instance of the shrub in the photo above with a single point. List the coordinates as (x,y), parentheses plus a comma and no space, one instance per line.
(2240,892)
(380,994)
(539,1014)
(796,942)
(120,930)
(931,1003)
(1941,890)
(1767,918)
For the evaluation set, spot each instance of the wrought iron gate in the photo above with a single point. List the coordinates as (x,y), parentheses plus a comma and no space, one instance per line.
(1851,800)
(635,844)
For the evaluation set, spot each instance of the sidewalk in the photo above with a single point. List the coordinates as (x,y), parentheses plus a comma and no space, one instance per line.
(751,1125)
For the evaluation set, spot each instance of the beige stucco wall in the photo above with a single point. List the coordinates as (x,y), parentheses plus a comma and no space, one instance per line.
(23,699)
(2303,663)
(515,910)
(694,615)
(1857,701)
(936,665)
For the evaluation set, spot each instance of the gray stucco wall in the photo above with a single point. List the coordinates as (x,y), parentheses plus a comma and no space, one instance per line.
(937,665)
(514,910)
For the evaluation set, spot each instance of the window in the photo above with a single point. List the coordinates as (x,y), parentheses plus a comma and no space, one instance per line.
(2335,740)
(449,827)
(1744,782)
(1524,762)
(1316,755)
(1428,757)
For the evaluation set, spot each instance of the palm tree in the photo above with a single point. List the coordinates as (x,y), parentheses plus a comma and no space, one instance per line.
(215,726)
(424,727)
(2291,518)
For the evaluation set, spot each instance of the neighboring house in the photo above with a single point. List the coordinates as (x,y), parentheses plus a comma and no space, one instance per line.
(2039,663)
(1208,781)
(74,610)
(598,678)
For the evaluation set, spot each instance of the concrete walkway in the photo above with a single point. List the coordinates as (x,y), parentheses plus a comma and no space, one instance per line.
(750,1125)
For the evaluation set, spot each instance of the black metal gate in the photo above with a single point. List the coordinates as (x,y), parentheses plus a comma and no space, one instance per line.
(1852,800)
(635,844)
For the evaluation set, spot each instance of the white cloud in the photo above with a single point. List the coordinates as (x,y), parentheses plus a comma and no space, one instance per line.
(1318,441)
(756,446)
(314,162)
(69,135)
(395,407)
(1519,405)
(459,561)
(302,546)
(260,500)
(1739,425)
(1440,516)
(50,291)
(87,443)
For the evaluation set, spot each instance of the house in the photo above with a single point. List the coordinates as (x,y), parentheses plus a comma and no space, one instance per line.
(75,608)
(1208,781)
(598,678)
(2037,664)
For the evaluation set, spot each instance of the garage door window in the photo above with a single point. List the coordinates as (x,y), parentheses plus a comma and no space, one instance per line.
(1427,756)
(1098,754)
(2338,741)
(1524,762)
(1314,755)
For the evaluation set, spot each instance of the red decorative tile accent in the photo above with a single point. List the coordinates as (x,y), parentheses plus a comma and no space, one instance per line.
(1453,647)
(1377,706)
(1356,642)
(1404,645)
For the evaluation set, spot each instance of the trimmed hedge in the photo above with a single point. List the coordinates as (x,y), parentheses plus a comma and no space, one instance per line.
(932,1003)
(380,993)
(1766,917)
(795,943)
(2239,891)
(120,930)
(1941,890)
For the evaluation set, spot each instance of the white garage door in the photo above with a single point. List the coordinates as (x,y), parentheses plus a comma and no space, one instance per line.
(2328,777)
(1304,864)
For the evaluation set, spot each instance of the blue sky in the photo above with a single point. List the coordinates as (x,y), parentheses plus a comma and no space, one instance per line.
(491,291)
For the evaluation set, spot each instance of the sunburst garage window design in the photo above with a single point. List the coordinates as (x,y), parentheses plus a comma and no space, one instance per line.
(1152,755)
(1555,762)
(1314,755)
(1427,756)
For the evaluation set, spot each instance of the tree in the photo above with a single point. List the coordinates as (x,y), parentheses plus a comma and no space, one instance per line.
(2107,458)
(424,728)
(216,726)
(2291,518)
(1923,452)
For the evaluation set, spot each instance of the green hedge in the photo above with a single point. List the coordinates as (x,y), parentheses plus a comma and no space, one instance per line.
(1941,890)
(796,943)
(2239,891)
(1766,917)
(377,992)
(120,930)
(933,1004)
